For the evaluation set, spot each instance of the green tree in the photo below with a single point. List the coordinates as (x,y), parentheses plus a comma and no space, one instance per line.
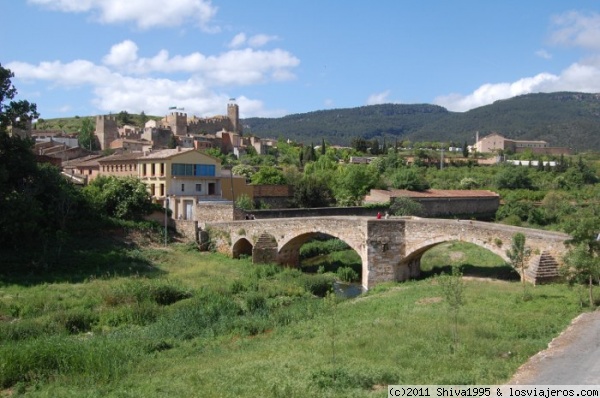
(360,145)
(584,257)
(453,288)
(268,175)
(352,182)
(125,198)
(309,154)
(312,191)
(374,147)
(410,179)
(86,134)
(243,170)
(519,256)
(514,177)
(465,150)
(403,206)
(124,118)
(244,202)
(19,210)
(143,118)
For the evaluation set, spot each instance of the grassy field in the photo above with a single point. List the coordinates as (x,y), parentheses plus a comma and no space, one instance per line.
(160,322)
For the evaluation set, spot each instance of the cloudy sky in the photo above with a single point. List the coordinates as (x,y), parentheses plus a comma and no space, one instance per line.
(88,57)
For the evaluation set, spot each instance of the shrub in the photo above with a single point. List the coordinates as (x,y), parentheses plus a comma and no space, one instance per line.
(255,302)
(319,285)
(262,271)
(347,274)
(141,290)
(166,294)
(321,247)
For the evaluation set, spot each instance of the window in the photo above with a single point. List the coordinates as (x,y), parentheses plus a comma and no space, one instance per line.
(205,170)
(200,170)
(182,187)
(198,187)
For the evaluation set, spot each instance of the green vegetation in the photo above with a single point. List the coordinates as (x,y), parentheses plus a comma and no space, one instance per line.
(204,322)
(91,305)
(573,117)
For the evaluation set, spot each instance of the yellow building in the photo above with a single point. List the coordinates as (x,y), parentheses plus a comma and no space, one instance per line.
(181,178)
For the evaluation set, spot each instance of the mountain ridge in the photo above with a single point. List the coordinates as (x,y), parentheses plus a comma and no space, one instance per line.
(569,119)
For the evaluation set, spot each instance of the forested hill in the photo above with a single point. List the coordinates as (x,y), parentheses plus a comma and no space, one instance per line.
(562,119)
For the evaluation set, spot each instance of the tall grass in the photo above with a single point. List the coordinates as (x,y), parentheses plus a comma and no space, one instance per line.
(204,324)
(98,359)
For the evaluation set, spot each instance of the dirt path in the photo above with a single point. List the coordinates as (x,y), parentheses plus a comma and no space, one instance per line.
(571,358)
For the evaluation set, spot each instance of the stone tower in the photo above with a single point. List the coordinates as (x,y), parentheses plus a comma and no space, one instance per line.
(106,130)
(233,113)
(178,123)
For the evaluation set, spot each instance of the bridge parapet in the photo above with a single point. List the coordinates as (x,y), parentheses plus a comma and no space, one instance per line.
(389,249)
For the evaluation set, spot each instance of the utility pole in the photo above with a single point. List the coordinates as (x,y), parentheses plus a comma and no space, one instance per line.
(166,217)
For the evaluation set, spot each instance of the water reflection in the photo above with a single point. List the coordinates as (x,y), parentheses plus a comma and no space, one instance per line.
(347,290)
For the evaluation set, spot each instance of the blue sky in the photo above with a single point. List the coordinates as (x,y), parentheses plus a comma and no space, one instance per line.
(88,57)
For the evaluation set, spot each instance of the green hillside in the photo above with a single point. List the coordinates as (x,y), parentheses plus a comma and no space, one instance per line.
(562,119)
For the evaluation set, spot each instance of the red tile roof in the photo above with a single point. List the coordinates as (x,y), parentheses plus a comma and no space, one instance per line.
(437,193)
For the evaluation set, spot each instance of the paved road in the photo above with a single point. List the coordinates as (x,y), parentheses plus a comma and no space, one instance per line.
(571,358)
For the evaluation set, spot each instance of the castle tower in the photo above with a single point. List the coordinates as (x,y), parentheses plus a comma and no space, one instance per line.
(233,113)
(178,123)
(106,130)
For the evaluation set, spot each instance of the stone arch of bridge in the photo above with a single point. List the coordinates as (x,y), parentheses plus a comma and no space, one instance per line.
(411,263)
(241,247)
(289,251)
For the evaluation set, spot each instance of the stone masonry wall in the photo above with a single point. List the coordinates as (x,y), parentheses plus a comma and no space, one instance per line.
(214,211)
(390,249)
(448,207)
(188,229)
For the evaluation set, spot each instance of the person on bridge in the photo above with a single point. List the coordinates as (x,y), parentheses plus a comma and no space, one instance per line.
(378,215)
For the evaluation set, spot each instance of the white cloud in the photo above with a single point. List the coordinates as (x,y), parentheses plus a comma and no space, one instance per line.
(570,29)
(543,54)
(76,73)
(378,98)
(577,30)
(238,40)
(255,41)
(145,13)
(579,77)
(260,40)
(121,54)
(488,93)
(127,82)
(235,67)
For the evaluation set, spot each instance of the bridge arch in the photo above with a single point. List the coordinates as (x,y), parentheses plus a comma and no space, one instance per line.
(242,247)
(289,250)
(410,266)
(425,245)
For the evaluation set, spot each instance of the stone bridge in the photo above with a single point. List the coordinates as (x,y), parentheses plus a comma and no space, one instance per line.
(390,249)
